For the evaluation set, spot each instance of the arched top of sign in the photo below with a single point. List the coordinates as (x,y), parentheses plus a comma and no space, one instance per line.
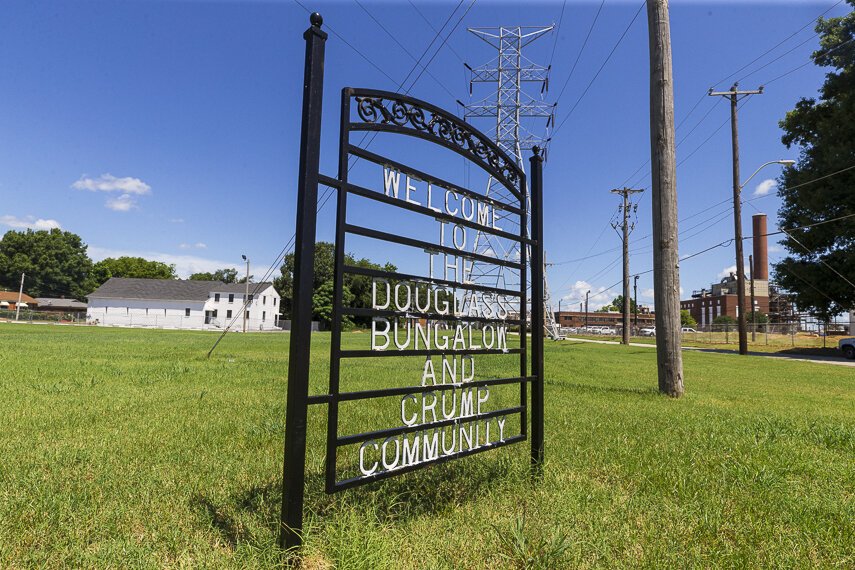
(393,112)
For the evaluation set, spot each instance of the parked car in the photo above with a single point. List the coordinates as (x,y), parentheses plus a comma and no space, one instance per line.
(608,330)
(650,331)
(688,330)
(847,345)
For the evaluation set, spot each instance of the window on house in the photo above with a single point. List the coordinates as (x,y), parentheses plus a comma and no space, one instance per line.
(231,297)
(186,312)
(247,315)
(250,298)
(263,315)
(264,299)
(216,297)
(229,314)
(215,313)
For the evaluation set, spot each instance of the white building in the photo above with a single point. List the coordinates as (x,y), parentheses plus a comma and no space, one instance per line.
(183,304)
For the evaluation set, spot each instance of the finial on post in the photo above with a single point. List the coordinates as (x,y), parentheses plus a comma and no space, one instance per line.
(536,150)
(316,19)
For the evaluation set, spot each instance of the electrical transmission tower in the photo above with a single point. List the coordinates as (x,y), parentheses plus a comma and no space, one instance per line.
(513,109)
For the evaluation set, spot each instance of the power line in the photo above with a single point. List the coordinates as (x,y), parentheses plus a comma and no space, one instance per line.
(747,65)
(402,46)
(774,47)
(433,28)
(350,45)
(581,50)
(329,191)
(810,61)
(608,58)
(557,28)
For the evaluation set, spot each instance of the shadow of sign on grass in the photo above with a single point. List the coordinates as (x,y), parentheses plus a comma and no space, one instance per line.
(423,493)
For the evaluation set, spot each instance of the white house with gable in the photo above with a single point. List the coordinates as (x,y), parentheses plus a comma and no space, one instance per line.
(183,304)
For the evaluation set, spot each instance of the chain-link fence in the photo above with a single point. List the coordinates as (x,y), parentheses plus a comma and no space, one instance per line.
(30,316)
(807,333)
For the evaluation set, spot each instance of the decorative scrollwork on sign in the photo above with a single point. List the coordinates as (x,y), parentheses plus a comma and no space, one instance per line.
(405,113)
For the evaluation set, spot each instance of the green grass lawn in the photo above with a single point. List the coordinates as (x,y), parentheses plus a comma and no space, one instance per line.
(128,448)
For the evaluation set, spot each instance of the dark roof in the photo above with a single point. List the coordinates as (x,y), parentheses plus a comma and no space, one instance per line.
(238,287)
(167,289)
(50,302)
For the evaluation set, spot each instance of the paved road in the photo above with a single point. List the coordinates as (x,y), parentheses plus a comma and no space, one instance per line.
(840,361)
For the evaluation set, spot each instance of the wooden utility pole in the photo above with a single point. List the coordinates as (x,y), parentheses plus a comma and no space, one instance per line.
(20,296)
(666,268)
(635,302)
(626,228)
(734,96)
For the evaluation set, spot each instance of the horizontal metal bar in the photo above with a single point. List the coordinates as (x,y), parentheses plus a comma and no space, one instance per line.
(329,181)
(366,312)
(424,176)
(419,209)
(404,390)
(357,481)
(394,275)
(390,432)
(412,242)
(423,352)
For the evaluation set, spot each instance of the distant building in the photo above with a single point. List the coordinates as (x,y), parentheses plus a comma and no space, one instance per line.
(184,304)
(721,298)
(9,301)
(596,319)
(60,306)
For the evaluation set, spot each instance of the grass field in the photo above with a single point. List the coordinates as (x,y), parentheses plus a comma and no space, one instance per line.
(128,449)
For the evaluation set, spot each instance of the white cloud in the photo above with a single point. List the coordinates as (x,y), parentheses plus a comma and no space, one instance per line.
(109,183)
(128,189)
(727,271)
(765,187)
(647,294)
(123,203)
(28,222)
(197,245)
(775,248)
(176,220)
(185,265)
(598,298)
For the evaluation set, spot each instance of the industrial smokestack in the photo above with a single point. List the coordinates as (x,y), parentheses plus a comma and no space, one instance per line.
(760,271)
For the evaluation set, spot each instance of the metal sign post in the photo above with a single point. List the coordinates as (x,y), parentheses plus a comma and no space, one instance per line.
(294,467)
(435,323)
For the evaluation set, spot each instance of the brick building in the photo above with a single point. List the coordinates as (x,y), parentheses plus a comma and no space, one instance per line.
(721,299)
(595,319)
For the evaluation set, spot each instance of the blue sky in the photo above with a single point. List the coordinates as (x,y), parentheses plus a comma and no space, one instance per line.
(171,129)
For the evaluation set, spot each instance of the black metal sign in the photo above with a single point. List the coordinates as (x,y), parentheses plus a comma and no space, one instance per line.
(436,324)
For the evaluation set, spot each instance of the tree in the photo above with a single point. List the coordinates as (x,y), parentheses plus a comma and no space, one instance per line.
(226,275)
(359,286)
(135,267)
(757,318)
(724,320)
(617,305)
(55,263)
(686,319)
(824,131)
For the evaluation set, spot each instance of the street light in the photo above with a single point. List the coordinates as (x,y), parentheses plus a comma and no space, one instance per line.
(740,262)
(588,292)
(246,294)
(783,161)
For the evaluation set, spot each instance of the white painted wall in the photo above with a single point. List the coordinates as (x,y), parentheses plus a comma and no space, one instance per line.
(158,313)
